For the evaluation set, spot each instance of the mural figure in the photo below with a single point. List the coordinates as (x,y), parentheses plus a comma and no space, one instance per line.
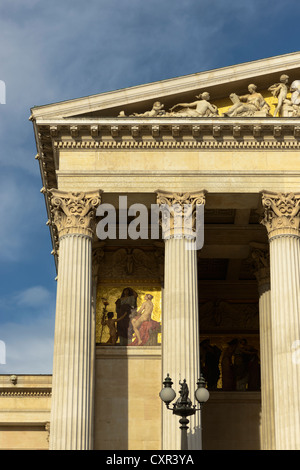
(240,366)
(142,323)
(246,367)
(111,322)
(124,306)
(210,357)
(228,377)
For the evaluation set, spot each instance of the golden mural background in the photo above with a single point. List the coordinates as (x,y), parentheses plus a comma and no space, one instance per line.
(111,290)
(225,103)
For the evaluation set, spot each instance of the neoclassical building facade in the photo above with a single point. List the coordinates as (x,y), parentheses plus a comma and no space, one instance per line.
(136,302)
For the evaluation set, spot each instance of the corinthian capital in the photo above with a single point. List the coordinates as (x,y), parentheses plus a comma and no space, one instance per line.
(281,215)
(74,212)
(179,212)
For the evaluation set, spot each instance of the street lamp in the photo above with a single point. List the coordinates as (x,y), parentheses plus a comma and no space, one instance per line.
(183,406)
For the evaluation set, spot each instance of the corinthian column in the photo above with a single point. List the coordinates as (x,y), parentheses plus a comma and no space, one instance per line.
(281,220)
(261,265)
(180,324)
(71,419)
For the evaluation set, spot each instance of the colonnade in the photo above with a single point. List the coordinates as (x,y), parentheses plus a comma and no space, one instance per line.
(278,276)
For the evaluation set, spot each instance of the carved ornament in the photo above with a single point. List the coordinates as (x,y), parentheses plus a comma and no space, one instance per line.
(74,212)
(252,104)
(178,218)
(281,213)
(129,262)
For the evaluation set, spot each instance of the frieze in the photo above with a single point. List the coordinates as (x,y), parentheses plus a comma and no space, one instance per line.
(251,104)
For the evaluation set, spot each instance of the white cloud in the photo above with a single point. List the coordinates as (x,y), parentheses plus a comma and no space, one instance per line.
(20,203)
(37,296)
(28,347)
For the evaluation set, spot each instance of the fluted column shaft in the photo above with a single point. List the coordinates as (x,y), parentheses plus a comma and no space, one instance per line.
(282,222)
(261,264)
(72,386)
(180,333)
(180,325)
(267,386)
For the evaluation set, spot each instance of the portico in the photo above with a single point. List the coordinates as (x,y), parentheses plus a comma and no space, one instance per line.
(242,164)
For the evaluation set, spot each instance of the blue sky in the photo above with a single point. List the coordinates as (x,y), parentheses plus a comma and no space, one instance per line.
(59,50)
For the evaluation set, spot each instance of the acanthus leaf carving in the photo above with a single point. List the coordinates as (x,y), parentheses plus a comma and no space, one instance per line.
(281,213)
(179,211)
(74,212)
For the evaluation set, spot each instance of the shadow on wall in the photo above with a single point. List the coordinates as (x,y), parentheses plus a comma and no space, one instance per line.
(111,403)
(231,421)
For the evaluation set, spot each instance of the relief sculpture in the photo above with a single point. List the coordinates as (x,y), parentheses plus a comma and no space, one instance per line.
(252,104)
(199,108)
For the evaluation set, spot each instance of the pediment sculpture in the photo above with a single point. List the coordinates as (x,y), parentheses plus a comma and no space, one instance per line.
(252,104)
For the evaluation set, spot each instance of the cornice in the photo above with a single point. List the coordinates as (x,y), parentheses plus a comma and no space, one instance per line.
(224,133)
(135,134)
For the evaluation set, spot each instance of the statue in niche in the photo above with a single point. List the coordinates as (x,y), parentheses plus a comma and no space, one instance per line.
(142,323)
(200,108)
(280,90)
(251,104)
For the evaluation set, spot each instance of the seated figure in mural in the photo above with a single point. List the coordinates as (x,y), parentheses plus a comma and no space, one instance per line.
(199,108)
(142,315)
(124,305)
(253,103)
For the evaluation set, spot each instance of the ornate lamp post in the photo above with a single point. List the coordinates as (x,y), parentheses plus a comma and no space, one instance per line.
(183,406)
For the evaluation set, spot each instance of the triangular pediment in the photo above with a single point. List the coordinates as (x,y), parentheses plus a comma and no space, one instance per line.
(219,83)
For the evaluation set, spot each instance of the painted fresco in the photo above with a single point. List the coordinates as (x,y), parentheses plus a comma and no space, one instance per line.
(128,314)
